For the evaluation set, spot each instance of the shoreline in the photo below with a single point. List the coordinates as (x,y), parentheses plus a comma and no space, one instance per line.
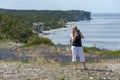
(54,30)
(68,26)
(48,32)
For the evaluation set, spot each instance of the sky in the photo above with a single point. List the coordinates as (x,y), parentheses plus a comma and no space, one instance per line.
(94,6)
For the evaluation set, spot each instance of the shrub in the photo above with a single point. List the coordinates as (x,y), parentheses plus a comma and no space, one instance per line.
(89,49)
(33,41)
(110,53)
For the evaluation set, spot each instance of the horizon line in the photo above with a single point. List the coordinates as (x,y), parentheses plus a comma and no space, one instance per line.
(64,10)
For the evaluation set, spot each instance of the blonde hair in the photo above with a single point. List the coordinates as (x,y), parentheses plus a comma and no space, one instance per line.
(73,27)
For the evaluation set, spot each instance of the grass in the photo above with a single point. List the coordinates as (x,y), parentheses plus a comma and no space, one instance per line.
(57,53)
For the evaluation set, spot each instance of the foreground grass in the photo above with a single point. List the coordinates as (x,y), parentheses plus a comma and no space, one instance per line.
(53,71)
(59,53)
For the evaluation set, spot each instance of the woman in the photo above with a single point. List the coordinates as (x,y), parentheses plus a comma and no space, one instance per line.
(76,47)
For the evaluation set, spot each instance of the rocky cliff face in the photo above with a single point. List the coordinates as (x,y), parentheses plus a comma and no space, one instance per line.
(85,16)
(80,15)
(38,27)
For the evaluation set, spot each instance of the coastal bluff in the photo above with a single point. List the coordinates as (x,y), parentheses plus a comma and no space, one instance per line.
(68,15)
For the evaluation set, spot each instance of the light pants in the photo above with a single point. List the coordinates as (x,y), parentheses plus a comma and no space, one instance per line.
(77,51)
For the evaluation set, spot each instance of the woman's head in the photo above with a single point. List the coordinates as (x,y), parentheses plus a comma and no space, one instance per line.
(74,28)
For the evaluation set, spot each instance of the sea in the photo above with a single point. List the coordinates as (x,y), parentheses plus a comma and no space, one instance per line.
(102,31)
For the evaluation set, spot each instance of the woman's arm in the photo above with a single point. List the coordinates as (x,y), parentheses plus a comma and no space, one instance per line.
(73,36)
(81,35)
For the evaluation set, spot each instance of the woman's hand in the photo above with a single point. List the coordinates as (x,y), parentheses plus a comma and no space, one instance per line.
(76,34)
